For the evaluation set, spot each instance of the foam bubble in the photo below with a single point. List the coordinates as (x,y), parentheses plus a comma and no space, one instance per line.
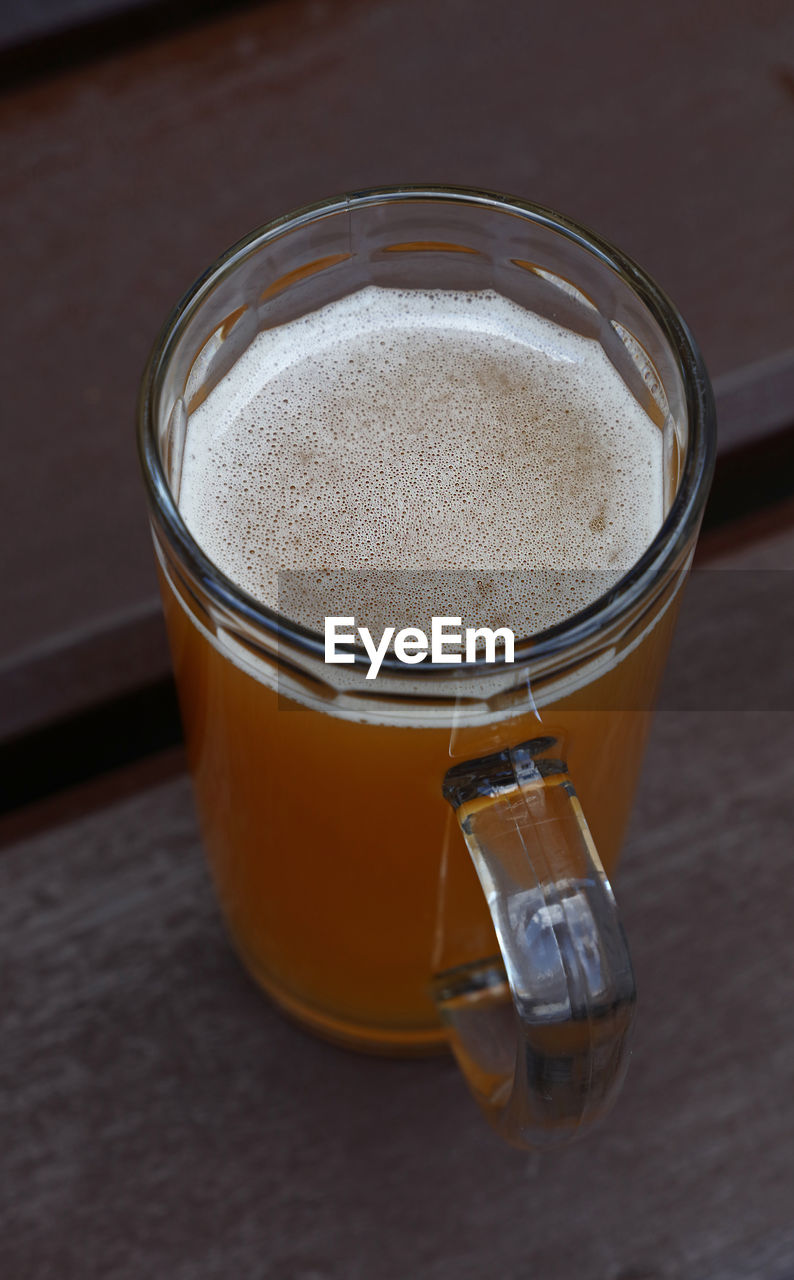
(418,431)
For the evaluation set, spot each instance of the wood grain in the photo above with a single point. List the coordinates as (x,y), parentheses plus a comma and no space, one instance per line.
(668,128)
(159,1118)
(162,1119)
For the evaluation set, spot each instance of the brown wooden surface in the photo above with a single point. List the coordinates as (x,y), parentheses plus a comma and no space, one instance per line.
(667,127)
(159,1118)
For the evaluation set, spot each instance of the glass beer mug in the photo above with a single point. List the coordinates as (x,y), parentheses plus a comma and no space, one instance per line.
(423,859)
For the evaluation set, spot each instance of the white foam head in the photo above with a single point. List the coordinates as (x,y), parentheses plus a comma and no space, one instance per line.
(423,430)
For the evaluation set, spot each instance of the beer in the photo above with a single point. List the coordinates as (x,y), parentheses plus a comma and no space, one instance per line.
(483,462)
(415,430)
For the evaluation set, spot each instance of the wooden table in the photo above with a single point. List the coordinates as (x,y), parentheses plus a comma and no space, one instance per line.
(158,1117)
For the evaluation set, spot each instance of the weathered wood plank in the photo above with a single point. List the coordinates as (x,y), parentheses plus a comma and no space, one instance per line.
(161,1118)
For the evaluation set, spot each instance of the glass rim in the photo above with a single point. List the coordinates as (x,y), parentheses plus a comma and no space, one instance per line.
(661,556)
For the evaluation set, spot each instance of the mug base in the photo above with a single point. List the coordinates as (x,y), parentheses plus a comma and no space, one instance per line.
(381,1041)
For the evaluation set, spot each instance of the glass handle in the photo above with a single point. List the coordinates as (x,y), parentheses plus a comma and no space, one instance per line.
(541,1032)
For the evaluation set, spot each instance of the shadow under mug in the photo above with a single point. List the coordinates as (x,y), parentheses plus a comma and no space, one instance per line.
(336,811)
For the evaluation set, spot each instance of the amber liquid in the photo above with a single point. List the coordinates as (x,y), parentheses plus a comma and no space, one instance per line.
(342,875)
